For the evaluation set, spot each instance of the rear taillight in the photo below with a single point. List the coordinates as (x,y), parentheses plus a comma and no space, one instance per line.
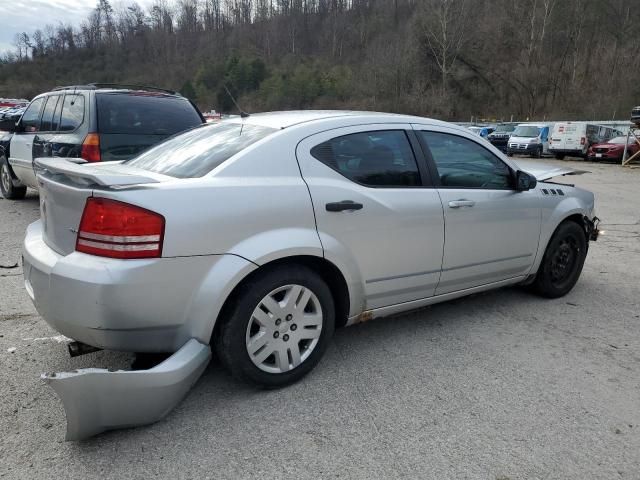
(118,230)
(91,148)
(583,141)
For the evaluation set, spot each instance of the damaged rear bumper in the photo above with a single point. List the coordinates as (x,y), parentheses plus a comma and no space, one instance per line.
(96,400)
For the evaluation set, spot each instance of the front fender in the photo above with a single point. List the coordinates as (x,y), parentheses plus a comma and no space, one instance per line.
(553,216)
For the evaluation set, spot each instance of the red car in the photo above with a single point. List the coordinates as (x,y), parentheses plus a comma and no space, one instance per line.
(612,150)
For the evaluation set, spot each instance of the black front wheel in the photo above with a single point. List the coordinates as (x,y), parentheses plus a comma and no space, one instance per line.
(562,262)
(8,189)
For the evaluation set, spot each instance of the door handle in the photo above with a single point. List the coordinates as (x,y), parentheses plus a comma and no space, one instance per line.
(344,205)
(461,203)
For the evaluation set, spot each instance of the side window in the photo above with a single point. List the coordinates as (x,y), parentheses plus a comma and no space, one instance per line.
(72,112)
(377,159)
(46,125)
(31,118)
(55,121)
(462,163)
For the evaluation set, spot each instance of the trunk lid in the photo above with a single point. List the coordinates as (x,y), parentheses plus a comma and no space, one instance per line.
(65,185)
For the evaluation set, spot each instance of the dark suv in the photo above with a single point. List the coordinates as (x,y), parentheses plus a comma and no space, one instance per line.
(95,122)
(500,136)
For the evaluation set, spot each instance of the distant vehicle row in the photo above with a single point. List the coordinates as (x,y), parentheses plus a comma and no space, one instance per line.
(538,139)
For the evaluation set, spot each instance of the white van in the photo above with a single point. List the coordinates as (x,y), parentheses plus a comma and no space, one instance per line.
(575,138)
(530,139)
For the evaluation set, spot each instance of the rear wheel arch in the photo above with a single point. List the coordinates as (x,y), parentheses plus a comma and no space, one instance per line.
(331,275)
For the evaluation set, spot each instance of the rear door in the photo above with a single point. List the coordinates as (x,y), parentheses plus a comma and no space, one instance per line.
(21,149)
(63,127)
(48,126)
(491,230)
(376,210)
(573,135)
(129,123)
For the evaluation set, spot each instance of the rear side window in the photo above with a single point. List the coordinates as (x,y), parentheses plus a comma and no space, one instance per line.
(72,113)
(31,118)
(144,114)
(198,151)
(375,159)
(48,114)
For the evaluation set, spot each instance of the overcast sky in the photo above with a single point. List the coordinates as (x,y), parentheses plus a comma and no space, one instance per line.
(28,15)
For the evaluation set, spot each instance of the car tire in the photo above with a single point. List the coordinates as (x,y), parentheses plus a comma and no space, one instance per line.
(538,153)
(562,262)
(265,317)
(560,156)
(8,189)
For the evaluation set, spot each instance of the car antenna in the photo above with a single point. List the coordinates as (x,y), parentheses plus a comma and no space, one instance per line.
(243,114)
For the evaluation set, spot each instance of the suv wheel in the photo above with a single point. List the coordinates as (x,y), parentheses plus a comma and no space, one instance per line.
(278,327)
(559,156)
(562,262)
(8,189)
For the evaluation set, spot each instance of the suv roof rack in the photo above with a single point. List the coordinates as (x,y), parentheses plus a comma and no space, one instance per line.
(95,86)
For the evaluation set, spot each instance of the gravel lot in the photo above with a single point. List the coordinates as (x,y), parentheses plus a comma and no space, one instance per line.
(502,385)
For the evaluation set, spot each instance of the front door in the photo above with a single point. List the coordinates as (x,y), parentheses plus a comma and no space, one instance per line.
(491,230)
(21,148)
(376,212)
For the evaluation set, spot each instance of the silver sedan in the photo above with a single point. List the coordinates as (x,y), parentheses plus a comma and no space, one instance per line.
(261,235)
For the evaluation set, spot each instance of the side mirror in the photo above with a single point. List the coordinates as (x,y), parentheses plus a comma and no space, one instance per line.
(9,125)
(525,181)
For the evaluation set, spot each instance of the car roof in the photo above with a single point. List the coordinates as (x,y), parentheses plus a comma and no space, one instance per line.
(286,119)
(118,88)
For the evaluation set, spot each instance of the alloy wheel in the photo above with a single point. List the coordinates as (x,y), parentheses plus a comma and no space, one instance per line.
(5,177)
(284,329)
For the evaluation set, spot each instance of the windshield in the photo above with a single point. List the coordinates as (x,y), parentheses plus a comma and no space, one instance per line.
(197,152)
(526,131)
(505,128)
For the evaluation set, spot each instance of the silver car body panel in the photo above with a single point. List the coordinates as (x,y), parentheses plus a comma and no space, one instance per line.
(405,249)
(96,400)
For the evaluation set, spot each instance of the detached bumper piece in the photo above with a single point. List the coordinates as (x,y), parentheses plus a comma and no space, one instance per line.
(591,226)
(96,400)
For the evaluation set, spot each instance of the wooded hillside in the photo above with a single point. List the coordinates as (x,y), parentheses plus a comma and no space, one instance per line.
(452,59)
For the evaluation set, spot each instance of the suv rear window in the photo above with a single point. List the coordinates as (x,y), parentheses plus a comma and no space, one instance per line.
(144,114)
(196,152)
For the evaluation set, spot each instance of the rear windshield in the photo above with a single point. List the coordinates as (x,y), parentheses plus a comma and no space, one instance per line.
(526,131)
(144,114)
(196,152)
